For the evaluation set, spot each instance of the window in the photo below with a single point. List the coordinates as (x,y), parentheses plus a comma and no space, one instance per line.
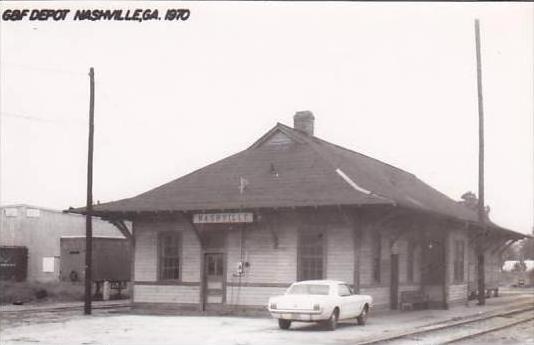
(169,255)
(343,290)
(33,213)
(377,253)
(11,212)
(311,256)
(410,262)
(459,249)
(309,289)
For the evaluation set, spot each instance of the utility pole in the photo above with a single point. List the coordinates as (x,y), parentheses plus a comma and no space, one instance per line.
(481,208)
(89,204)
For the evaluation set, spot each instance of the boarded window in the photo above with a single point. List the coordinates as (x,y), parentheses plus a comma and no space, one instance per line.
(459,252)
(311,256)
(169,255)
(377,253)
(410,262)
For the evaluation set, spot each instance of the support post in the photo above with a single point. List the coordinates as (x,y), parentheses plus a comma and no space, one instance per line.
(89,204)
(481,208)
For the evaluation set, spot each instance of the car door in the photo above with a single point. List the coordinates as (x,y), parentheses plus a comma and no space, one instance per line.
(348,302)
(359,301)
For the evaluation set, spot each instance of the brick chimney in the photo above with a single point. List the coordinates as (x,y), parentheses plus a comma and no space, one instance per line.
(303,121)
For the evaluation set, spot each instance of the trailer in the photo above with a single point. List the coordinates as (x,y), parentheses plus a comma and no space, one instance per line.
(111,261)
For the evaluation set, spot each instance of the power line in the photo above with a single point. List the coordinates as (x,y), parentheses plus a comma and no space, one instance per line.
(40,68)
(40,119)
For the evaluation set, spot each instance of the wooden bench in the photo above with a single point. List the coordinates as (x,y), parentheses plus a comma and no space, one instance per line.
(410,300)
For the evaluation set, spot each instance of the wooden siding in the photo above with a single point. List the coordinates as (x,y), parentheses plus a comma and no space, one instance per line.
(270,249)
(145,253)
(457,290)
(366,259)
(403,247)
(457,293)
(191,261)
(146,263)
(251,295)
(340,254)
(166,294)
(278,139)
(380,295)
(267,264)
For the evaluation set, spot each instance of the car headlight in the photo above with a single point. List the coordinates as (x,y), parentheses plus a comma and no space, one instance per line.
(317,307)
(273,306)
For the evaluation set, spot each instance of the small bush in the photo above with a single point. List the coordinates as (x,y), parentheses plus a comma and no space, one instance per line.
(41,293)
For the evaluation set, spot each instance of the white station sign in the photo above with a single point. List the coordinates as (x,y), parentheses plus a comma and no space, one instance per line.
(214,218)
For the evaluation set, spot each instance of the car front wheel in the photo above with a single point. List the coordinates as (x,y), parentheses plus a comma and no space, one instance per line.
(284,324)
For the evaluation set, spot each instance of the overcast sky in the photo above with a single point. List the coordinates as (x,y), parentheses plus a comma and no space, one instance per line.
(395,81)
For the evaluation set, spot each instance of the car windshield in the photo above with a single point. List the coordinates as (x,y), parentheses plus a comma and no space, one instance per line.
(309,289)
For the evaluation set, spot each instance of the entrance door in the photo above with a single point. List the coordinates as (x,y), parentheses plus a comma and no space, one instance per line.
(394,288)
(214,273)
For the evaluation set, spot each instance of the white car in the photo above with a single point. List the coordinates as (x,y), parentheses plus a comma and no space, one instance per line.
(319,300)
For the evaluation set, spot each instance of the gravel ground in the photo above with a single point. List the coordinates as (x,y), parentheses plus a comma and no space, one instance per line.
(105,327)
(522,334)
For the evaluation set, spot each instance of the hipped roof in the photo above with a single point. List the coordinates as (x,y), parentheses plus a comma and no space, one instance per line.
(305,171)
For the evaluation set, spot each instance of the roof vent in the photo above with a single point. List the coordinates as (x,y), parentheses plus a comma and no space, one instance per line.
(303,121)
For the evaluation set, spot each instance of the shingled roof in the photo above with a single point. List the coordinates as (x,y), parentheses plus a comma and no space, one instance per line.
(289,168)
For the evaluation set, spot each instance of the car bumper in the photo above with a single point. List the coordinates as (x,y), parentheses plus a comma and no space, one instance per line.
(299,315)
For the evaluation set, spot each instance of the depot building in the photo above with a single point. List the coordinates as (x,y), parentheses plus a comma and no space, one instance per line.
(294,207)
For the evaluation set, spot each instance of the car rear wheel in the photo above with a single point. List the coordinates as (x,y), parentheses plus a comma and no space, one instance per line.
(284,324)
(362,319)
(331,323)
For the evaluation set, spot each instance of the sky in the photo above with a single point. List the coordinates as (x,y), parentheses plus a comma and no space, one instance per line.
(395,81)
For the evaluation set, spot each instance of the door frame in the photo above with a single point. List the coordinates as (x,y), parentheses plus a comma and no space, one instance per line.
(205,253)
